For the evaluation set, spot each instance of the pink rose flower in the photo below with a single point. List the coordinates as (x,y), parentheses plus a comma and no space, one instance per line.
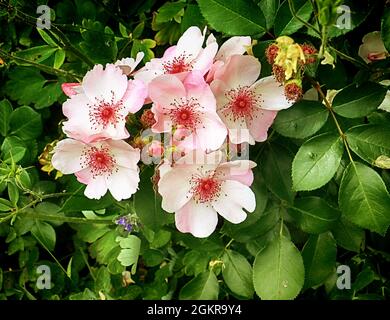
(99,111)
(189,108)
(105,165)
(204,185)
(188,55)
(246,106)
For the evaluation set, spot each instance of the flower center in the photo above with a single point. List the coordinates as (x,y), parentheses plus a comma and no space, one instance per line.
(205,189)
(100,161)
(242,103)
(104,113)
(185,113)
(177,65)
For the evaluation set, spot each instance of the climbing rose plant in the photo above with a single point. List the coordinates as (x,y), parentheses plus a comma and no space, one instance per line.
(195,150)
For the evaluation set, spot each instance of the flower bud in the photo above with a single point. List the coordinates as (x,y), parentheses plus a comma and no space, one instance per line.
(147,118)
(293,90)
(271,52)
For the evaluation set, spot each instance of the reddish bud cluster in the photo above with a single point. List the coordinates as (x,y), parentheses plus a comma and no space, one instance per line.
(271,52)
(147,119)
(293,90)
(309,52)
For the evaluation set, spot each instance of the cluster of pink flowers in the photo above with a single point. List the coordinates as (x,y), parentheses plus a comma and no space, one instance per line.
(202,97)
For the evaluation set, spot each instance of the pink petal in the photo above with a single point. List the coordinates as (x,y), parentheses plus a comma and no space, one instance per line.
(163,121)
(67,156)
(191,42)
(238,170)
(197,218)
(77,107)
(272,94)
(219,89)
(205,59)
(71,88)
(125,155)
(177,179)
(135,96)
(165,89)
(234,197)
(198,89)
(123,183)
(260,124)
(233,46)
(96,188)
(239,71)
(106,84)
(212,132)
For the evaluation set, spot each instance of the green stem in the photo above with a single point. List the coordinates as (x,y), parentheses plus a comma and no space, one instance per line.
(41,216)
(45,68)
(348,58)
(294,13)
(324,42)
(317,86)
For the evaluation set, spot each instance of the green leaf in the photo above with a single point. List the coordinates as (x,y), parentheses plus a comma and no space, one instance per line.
(130,251)
(319,258)
(317,161)
(364,278)
(59,58)
(203,287)
(5,112)
(313,214)
(103,280)
(148,203)
(285,23)
(36,54)
(237,273)
(144,45)
(302,120)
(13,149)
(27,85)
(278,271)
(276,171)
(357,102)
(13,193)
(79,202)
(5,205)
(195,262)
(369,142)
(192,17)
(238,17)
(348,236)
(25,123)
(45,233)
(385,28)
(98,42)
(363,198)
(269,8)
(168,11)
(46,37)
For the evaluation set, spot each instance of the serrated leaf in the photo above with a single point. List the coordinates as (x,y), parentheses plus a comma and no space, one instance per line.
(269,8)
(317,161)
(238,17)
(357,102)
(364,199)
(313,214)
(285,23)
(192,17)
(319,258)
(369,142)
(278,271)
(348,235)
(237,273)
(302,120)
(203,287)
(276,171)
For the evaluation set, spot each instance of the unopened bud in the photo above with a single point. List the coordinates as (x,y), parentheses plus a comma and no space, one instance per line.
(293,90)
